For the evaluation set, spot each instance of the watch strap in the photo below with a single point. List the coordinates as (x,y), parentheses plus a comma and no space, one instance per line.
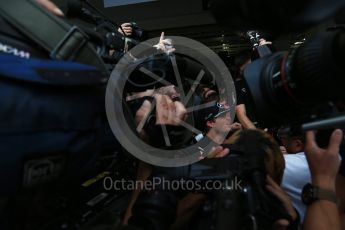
(323,194)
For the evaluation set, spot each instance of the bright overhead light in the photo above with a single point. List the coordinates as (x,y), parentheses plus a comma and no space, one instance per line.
(112,3)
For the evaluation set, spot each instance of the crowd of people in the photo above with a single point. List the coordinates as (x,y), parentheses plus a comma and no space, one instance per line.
(306,177)
(300,162)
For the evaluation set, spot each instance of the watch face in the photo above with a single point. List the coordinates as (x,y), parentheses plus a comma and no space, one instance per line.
(308,194)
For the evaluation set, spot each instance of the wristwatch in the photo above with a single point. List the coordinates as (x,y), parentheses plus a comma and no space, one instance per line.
(311,193)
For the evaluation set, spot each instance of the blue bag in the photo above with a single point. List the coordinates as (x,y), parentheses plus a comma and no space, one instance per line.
(52,119)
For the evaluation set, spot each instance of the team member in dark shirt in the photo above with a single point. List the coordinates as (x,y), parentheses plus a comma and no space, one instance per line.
(244,108)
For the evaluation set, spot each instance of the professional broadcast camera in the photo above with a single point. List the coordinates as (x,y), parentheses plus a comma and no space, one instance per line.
(300,85)
(290,87)
(56,144)
(86,36)
(102,31)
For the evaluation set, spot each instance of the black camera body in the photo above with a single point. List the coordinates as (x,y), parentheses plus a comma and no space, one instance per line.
(105,35)
(56,143)
(300,85)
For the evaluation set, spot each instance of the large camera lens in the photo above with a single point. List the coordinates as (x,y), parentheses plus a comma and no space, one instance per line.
(287,86)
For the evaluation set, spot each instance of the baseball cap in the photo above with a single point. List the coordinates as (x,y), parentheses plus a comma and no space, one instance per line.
(208,113)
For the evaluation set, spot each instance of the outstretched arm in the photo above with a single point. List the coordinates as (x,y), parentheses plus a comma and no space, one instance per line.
(323,165)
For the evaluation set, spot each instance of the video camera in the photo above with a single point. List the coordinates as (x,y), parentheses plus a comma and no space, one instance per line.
(290,87)
(56,143)
(103,32)
(300,85)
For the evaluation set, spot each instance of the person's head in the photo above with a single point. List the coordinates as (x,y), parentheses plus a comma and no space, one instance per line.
(293,143)
(216,118)
(220,122)
(254,141)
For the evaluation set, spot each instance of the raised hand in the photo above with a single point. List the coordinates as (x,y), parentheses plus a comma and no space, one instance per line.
(323,163)
(165,45)
(127,29)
